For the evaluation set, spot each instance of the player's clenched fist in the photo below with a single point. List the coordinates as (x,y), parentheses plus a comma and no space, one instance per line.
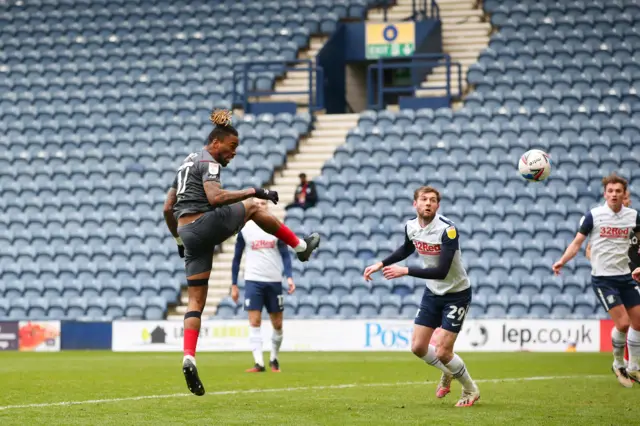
(371,270)
(265,194)
(636,274)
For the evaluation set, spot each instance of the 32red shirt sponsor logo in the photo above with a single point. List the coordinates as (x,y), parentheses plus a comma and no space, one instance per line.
(262,244)
(427,249)
(611,232)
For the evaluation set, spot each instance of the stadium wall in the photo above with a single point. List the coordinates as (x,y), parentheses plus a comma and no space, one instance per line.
(495,335)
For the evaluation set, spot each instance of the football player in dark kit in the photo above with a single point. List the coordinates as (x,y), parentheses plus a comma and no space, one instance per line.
(200,215)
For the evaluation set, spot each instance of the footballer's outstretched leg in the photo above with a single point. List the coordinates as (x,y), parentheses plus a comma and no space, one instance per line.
(270,224)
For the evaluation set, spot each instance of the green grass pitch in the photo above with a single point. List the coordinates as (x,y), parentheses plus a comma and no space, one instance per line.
(71,388)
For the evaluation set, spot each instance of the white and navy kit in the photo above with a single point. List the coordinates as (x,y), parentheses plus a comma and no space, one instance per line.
(267,258)
(609,234)
(447,295)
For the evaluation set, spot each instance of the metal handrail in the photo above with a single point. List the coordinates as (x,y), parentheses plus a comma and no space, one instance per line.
(241,75)
(421,60)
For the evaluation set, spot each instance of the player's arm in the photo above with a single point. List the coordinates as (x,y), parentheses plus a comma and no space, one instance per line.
(221,197)
(404,251)
(636,230)
(588,251)
(586,226)
(237,258)
(286,259)
(167,210)
(170,219)
(448,249)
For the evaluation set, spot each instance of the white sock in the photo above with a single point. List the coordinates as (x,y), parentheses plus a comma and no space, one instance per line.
(431,359)
(302,245)
(190,358)
(618,340)
(633,342)
(459,371)
(276,341)
(255,342)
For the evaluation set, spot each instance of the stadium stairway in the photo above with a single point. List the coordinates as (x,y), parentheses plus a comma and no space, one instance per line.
(298,81)
(465,32)
(329,132)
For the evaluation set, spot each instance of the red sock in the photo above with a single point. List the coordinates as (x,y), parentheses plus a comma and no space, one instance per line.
(190,341)
(626,353)
(285,234)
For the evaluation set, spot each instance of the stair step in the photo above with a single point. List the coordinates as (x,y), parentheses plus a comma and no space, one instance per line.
(466,47)
(467,26)
(454,42)
(304,165)
(327,150)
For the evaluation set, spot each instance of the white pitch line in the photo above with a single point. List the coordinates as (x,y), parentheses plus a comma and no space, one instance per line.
(291,389)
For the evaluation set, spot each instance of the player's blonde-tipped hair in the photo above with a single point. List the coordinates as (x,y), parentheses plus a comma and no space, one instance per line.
(614,178)
(221,117)
(426,190)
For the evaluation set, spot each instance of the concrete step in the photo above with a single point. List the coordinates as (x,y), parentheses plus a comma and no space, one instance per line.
(307,165)
(336,118)
(327,132)
(467,27)
(475,47)
(327,150)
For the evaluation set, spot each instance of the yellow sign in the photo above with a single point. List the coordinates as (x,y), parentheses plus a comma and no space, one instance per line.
(390,39)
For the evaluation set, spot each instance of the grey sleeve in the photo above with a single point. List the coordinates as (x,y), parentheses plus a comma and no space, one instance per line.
(209,171)
(174,184)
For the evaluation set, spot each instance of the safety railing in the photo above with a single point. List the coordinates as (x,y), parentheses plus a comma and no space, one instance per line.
(244,73)
(420,9)
(419,65)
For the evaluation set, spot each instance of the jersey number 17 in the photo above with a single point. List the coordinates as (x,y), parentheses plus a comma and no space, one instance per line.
(182,179)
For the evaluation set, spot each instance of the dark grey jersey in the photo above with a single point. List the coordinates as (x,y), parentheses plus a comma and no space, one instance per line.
(195,170)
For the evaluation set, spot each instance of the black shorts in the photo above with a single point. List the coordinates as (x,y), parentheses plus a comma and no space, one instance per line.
(258,294)
(447,311)
(201,236)
(616,290)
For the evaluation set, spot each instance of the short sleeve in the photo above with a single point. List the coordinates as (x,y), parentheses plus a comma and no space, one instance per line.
(174,184)
(586,224)
(450,238)
(210,171)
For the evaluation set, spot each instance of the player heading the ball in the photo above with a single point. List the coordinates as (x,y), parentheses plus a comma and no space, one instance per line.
(447,296)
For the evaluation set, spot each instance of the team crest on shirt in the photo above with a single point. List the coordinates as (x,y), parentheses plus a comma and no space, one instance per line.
(451,232)
(214,169)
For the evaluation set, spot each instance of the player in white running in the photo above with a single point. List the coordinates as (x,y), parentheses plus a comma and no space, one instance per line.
(634,262)
(266,260)
(447,295)
(609,227)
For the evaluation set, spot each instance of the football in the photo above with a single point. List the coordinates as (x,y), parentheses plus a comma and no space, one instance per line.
(535,165)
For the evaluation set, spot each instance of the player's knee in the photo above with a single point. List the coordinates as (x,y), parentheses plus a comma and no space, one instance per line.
(251,207)
(276,323)
(419,349)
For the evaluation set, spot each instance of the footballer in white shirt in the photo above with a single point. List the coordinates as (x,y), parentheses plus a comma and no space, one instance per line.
(447,295)
(609,228)
(267,260)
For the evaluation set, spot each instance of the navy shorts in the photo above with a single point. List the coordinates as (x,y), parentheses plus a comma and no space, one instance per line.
(447,311)
(201,236)
(616,290)
(268,294)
